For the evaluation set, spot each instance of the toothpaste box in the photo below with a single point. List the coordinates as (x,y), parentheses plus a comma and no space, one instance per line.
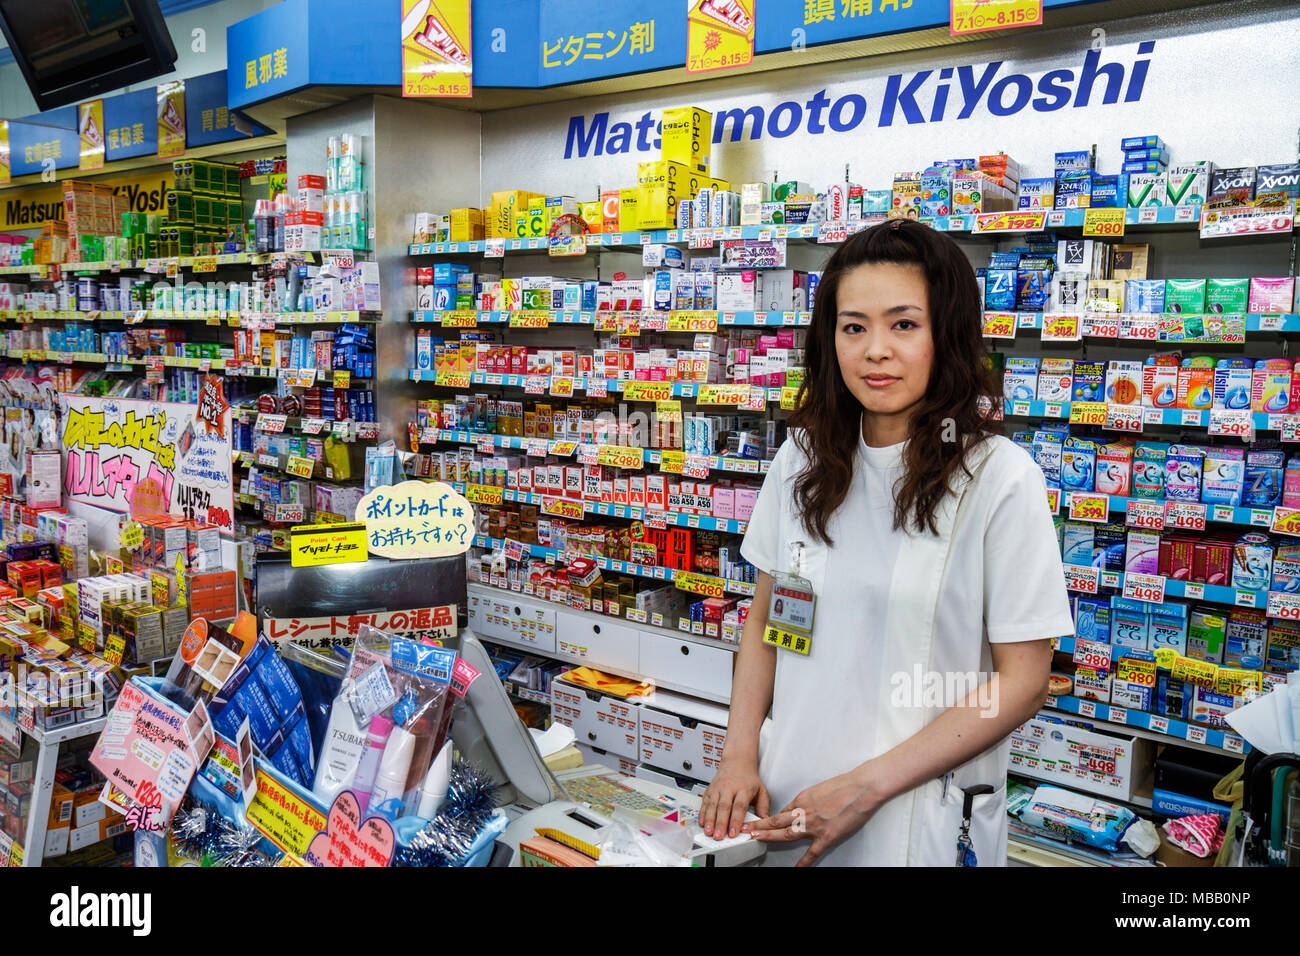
(1147,189)
(1188,184)
(1055,380)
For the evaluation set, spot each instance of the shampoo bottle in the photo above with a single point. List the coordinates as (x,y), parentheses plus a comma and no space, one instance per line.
(344,743)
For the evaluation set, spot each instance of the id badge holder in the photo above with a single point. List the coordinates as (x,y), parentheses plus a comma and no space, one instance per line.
(791,609)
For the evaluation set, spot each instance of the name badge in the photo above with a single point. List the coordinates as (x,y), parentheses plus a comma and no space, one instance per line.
(792,607)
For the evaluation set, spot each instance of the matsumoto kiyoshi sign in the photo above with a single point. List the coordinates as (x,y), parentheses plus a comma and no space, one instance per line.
(112,444)
(29,208)
(908,99)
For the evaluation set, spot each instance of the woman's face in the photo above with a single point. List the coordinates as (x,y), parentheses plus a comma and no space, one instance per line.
(883,341)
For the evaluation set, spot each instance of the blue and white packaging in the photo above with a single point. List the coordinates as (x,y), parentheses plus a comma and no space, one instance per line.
(1222,475)
(1183,466)
(1073,159)
(1020,380)
(1146,296)
(1262,481)
(1000,290)
(1232,382)
(1048,443)
(1091,615)
(1055,380)
(1167,626)
(1142,552)
(1147,154)
(1252,564)
(1129,624)
(661,256)
(1078,464)
(1141,142)
(1073,189)
(1142,169)
(1108,192)
(661,298)
(1036,193)
(1077,546)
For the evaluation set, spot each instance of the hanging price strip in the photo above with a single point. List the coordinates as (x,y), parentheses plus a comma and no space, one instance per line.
(1185,515)
(1088,413)
(1106,223)
(562,508)
(1233,422)
(692,322)
(1009,221)
(1142,328)
(1061,326)
(1101,325)
(1286,521)
(1147,515)
(1124,418)
(1144,587)
(999,325)
(1092,654)
(1080,578)
(1089,507)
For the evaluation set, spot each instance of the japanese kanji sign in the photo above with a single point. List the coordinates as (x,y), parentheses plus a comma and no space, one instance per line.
(417,519)
(171,118)
(425,624)
(213,407)
(315,544)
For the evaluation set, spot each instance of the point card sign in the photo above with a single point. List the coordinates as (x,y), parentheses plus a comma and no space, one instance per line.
(417,519)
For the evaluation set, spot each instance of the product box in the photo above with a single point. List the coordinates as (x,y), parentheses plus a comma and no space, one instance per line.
(1232,183)
(1188,185)
(1124,382)
(1093,761)
(1226,295)
(1246,639)
(1185,295)
(1147,189)
(1055,380)
(1274,295)
(1134,683)
(1036,193)
(1278,178)
(1206,635)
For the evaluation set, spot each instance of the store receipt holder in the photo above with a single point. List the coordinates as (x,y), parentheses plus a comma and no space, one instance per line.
(487,731)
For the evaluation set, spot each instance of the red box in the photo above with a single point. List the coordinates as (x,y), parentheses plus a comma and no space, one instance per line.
(1212,562)
(1178,557)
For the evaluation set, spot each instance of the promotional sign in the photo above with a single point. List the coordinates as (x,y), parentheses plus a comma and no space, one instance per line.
(284,818)
(429,625)
(348,839)
(719,34)
(4,152)
(315,544)
(112,444)
(437,59)
(974,16)
(90,127)
(171,118)
(416,519)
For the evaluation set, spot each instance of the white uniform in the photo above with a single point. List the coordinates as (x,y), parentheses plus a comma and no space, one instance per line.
(902,620)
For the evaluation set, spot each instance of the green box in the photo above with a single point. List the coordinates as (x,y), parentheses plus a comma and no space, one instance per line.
(234,212)
(183,174)
(132,223)
(202,211)
(232,180)
(152,223)
(1185,295)
(1226,295)
(185,241)
(180,207)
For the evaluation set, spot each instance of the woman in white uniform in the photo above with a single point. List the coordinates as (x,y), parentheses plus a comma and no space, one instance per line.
(929,549)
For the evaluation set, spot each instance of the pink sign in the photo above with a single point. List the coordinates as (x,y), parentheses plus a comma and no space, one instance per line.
(349,840)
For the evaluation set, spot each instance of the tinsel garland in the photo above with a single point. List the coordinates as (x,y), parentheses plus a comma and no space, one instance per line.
(447,838)
(200,831)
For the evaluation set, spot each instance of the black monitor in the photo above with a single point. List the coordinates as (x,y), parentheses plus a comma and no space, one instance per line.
(72,50)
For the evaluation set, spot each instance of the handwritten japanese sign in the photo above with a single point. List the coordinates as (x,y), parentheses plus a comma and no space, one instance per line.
(417,519)
(286,819)
(348,840)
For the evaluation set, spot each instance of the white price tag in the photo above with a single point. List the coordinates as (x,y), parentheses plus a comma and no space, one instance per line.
(1153,416)
(536,448)
(535,384)
(1080,578)
(597,387)
(1148,214)
(1284,605)
(1290,427)
(1118,715)
(588,454)
(486,444)
(1138,327)
(1193,591)
(1124,418)
(832,232)
(695,466)
(1146,515)
(1159,724)
(271,423)
(494,248)
(1102,325)
(1092,654)
(1233,743)
(313,426)
(1232,422)
(1191,416)
(1144,587)
(1186,515)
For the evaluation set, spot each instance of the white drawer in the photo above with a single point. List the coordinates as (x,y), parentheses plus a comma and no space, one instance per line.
(686,666)
(521,623)
(680,745)
(598,720)
(597,643)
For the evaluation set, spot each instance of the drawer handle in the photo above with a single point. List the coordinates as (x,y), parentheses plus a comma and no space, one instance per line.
(595,628)
(686,765)
(518,613)
(686,649)
(592,736)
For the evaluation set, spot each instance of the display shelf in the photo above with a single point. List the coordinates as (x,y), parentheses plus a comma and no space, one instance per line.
(653,456)
(611,385)
(346,429)
(1175,417)
(1255,322)
(121,364)
(160,264)
(1161,729)
(42,270)
(61,734)
(701,318)
(525,693)
(1190,590)
(631,512)
(1224,514)
(1185,216)
(667,575)
(325,317)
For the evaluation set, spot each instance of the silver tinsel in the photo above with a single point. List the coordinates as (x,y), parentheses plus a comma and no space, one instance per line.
(201,832)
(447,838)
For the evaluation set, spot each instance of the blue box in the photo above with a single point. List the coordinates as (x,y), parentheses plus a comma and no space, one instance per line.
(448,273)
(1092,619)
(1146,296)
(1109,192)
(1173,697)
(1142,168)
(1147,154)
(1142,142)
(1000,290)
(1074,159)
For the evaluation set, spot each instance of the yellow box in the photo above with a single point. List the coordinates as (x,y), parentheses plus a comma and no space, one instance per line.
(592,215)
(465,225)
(718,184)
(662,186)
(557,206)
(500,222)
(686,137)
(627,210)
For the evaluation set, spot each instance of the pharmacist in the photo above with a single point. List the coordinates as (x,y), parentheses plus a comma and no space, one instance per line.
(919,575)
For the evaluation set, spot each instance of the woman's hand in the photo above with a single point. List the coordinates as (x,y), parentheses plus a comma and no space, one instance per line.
(734,788)
(825,814)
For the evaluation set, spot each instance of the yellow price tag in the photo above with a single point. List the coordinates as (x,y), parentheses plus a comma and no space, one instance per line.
(1107,223)
(789,395)
(1194,671)
(562,508)
(300,467)
(1233,681)
(647,391)
(460,319)
(204,264)
(483,494)
(999,325)
(1088,413)
(285,819)
(182,590)
(342,379)
(618,456)
(975,16)
(722,394)
(458,379)
(692,322)
(316,544)
(672,461)
(132,535)
(702,584)
(530,319)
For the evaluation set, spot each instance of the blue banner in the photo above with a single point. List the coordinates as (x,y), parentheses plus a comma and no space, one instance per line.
(52,135)
(208,118)
(267,55)
(581,40)
(131,125)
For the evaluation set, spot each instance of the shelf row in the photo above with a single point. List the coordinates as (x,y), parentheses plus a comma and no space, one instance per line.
(578,508)
(148,265)
(116,364)
(1141,327)
(1167,726)
(1157,514)
(668,575)
(345,429)
(211,317)
(626,322)
(1155,588)
(729,394)
(1230,422)
(1012,221)
(541,446)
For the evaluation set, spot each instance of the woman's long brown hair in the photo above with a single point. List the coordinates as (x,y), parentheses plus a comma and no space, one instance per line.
(948,422)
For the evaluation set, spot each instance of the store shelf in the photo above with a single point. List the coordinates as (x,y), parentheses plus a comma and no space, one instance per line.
(1161,729)
(605,509)
(1185,216)
(746,466)
(161,263)
(667,575)
(117,364)
(1173,417)
(1254,322)
(32,270)
(1211,593)
(525,693)
(700,320)
(71,732)
(546,383)
(345,429)
(1224,514)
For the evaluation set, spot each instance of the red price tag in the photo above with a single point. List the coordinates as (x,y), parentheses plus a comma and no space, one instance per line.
(1284,605)
(1233,422)
(701,238)
(999,325)
(1061,327)
(1124,418)
(1080,578)
(695,466)
(271,423)
(1138,327)
(832,232)
(1286,521)
(1089,507)
(1092,654)
(486,444)
(1147,515)
(1144,587)
(1100,325)
(1187,515)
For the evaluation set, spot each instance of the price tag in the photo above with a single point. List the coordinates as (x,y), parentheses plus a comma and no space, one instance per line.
(1089,507)
(656,520)
(459,319)
(1092,654)
(1286,521)
(1009,221)
(1185,515)
(562,448)
(1088,413)
(536,448)
(1284,605)
(1273,322)
(365,430)
(647,391)
(1147,515)
(1053,500)
(1124,418)
(301,467)
(535,384)
(271,423)
(617,456)
(588,454)
(530,319)
(1106,223)
(1190,416)
(268,461)
(700,238)
(695,466)
(1233,422)
(1100,325)
(701,584)
(1148,214)
(204,264)
(289,514)
(1080,578)
(1143,328)
(1061,326)
(154,371)
(561,386)
(1144,587)
(693,322)
(722,394)
(1245,599)
(1159,724)
(342,379)
(1246,220)
(494,248)
(486,444)
(999,325)
(832,232)
(562,508)
(1233,743)
(483,494)
(597,388)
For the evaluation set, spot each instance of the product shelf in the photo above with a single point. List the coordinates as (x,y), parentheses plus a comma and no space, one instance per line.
(1176,417)
(667,575)
(605,509)
(700,321)
(1224,514)
(345,429)
(120,364)
(1190,590)
(610,385)
(1255,322)
(1160,729)
(1187,216)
